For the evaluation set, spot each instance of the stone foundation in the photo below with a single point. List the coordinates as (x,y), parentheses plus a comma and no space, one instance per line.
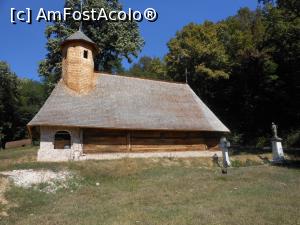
(47,151)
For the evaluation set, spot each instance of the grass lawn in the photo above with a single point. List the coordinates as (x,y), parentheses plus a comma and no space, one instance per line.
(155,191)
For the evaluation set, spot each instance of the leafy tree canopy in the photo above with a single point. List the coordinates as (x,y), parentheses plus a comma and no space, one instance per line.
(199,49)
(8,103)
(246,67)
(20,100)
(148,67)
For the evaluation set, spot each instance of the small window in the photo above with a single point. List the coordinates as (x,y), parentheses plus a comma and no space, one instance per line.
(62,140)
(85,54)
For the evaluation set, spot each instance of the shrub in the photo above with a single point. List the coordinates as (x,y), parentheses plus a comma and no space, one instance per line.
(236,138)
(262,142)
(293,139)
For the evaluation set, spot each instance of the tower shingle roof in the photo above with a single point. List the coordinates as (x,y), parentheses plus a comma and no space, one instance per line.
(79,36)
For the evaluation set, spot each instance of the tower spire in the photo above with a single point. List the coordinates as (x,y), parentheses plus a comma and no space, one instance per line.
(80,26)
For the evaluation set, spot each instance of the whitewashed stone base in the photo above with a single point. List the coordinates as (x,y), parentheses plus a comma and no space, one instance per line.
(277,151)
(54,155)
(187,154)
(47,151)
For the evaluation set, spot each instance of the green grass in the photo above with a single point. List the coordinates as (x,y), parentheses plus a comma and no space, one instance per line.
(158,191)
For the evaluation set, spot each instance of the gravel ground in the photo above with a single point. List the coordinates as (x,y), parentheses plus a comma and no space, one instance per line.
(29,178)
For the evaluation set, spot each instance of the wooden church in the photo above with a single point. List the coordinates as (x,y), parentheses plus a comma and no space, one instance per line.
(90,113)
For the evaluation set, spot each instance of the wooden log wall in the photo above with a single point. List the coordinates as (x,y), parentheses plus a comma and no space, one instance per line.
(102,141)
(95,141)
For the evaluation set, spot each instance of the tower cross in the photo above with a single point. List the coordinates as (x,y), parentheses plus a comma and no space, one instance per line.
(80,26)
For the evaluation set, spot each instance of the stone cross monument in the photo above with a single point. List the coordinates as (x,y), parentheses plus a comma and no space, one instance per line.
(224,145)
(277,150)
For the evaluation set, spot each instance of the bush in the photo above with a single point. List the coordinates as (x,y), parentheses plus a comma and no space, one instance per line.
(236,138)
(293,139)
(262,142)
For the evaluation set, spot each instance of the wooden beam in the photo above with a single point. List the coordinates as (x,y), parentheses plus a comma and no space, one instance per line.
(128,141)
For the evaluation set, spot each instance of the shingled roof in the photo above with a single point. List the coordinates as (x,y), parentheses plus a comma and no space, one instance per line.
(79,36)
(120,102)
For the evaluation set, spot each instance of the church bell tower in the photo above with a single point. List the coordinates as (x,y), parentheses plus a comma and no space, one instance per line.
(78,53)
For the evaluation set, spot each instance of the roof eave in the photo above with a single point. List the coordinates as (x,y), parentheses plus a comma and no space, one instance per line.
(126,128)
(94,45)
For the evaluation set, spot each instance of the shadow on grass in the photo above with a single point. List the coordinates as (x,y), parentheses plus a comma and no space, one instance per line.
(264,159)
(238,150)
(290,164)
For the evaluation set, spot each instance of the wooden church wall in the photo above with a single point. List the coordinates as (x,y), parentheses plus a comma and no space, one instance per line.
(97,141)
(102,141)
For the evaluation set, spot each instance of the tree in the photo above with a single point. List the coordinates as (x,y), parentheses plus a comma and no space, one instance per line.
(252,83)
(246,67)
(32,95)
(9,94)
(20,100)
(117,40)
(148,67)
(198,49)
(282,22)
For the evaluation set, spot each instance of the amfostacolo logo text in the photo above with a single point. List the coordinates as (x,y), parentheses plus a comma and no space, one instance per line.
(28,16)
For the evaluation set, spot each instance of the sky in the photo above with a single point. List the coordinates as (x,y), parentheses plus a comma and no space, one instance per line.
(23,45)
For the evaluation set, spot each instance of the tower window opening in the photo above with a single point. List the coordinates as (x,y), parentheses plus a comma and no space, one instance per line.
(85,54)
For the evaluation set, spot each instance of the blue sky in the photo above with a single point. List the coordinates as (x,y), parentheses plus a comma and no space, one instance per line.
(23,45)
